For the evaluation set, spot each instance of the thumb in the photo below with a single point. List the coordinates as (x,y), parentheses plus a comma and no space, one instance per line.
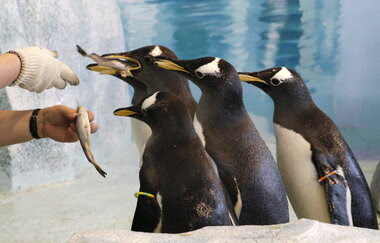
(67,112)
(53,53)
(68,75)
(71,116)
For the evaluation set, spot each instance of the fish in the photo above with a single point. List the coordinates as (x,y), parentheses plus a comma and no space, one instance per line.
(109,65)
(84,131)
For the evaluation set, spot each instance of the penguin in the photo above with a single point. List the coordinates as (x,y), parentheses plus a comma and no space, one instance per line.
(180,189)
(231,139)
(321,174)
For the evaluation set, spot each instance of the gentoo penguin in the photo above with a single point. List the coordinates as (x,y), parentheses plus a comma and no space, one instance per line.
(321,175)
(232,140)
(179,185)
(155,78)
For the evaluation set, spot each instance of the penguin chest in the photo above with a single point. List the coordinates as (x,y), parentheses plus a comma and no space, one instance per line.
(140,134)
(294,158)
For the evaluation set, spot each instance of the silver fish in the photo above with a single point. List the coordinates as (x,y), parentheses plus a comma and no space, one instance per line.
(84,131)
(110,65)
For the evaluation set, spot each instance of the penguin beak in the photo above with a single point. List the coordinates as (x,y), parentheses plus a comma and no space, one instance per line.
(170,65)
(135,64)
(101,69)
(251,77)
(127,111)
(122,57)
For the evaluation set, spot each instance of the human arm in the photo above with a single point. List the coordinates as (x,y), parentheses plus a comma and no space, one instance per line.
(56,122)
(10,67)
(36,70)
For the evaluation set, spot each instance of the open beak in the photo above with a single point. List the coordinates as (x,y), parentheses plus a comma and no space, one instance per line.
(245,77)
(169,65)
(101,69)
(128,111)
(133,64)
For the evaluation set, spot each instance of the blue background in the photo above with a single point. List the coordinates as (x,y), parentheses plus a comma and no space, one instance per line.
(332,44)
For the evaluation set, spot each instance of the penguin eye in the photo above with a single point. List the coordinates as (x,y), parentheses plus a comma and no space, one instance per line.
(199,75)
(148,59)
(275,82)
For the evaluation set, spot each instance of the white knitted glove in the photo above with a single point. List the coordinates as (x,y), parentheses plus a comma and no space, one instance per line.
(41,70)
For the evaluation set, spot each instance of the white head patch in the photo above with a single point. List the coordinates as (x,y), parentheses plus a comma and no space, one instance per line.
(211,68)
(155,52)
(283,74)
(149,101)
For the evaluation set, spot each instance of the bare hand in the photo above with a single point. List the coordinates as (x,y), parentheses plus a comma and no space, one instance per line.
(58,123)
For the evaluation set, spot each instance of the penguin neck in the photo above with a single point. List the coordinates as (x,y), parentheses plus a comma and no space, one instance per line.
(175,128)
(140,90)
(292,107)
(221,103)
(177,85)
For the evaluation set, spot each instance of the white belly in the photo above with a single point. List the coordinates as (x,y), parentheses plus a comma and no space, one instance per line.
(159,225)
(199,130)
(306,195)
(141,132)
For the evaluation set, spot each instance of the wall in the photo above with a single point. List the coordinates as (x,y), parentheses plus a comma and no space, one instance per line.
(60,25)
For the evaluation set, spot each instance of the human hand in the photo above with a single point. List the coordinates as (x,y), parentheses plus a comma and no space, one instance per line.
(58,123)
(40,70)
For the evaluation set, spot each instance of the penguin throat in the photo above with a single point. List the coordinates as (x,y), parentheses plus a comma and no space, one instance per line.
(176,126)
(292,102)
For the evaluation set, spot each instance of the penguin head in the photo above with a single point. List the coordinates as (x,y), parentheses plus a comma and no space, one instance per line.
(280,83)
(157,109)
(208,73)
(144,56)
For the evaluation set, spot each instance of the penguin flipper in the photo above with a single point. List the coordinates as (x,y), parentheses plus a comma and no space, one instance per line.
(338,193)
(147,215)
(230,189)
(228,179)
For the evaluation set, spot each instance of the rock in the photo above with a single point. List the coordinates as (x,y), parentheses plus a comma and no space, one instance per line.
(303,230)
(375,188)
(60,25)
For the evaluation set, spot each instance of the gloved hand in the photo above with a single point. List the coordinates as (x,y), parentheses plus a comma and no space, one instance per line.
(41,70)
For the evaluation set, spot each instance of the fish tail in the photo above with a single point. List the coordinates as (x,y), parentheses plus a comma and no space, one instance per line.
(101,172)
(81,51)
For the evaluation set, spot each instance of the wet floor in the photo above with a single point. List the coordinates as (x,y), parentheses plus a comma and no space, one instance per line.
(53,213)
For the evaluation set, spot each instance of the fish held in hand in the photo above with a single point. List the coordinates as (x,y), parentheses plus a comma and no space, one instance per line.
(111,64)
(84,131)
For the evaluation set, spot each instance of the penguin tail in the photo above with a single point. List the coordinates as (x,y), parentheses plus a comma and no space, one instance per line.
(81,51)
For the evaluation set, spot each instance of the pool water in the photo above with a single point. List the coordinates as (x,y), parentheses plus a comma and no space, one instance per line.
(332,44)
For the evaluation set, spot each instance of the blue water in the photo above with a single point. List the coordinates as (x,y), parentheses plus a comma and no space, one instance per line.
(332,44)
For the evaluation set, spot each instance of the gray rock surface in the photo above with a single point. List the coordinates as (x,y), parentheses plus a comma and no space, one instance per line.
(375,188)
(60,25)
(303,230)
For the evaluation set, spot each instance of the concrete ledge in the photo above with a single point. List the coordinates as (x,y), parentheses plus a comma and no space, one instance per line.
(303,230)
